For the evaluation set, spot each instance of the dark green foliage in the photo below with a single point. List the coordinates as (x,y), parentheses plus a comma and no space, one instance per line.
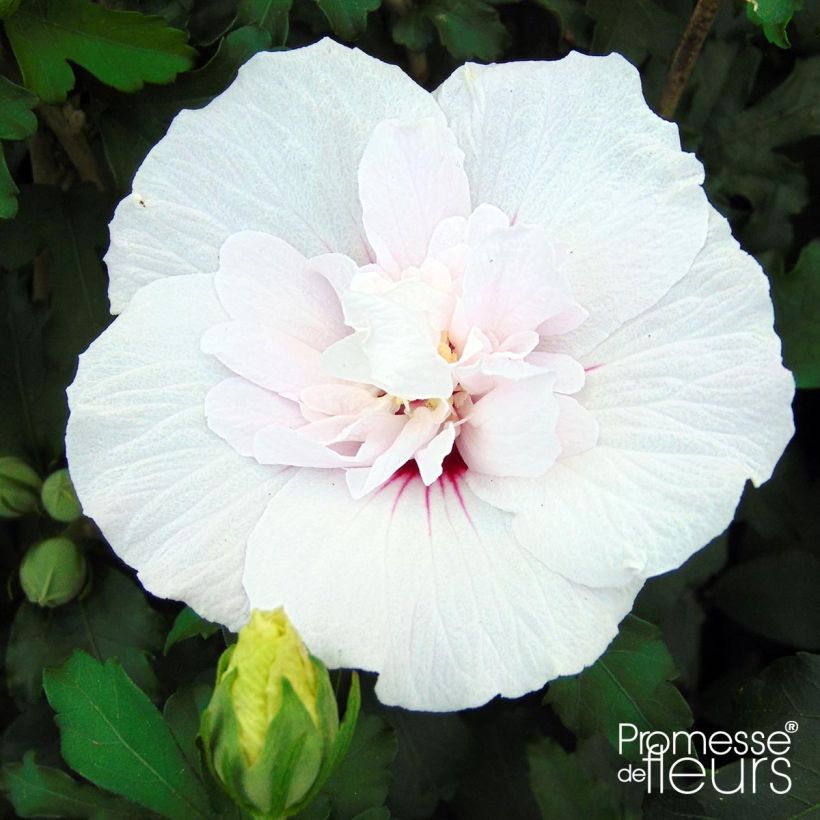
(721,643)
(629,683)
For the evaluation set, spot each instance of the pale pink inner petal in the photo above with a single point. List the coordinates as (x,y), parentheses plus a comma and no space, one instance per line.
(511,430)
(411,177)
(434,353)
(512,282)
(263,279)
(237,409)
(265,356)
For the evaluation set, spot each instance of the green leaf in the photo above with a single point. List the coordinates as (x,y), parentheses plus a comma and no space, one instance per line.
(497,784)
(775,596)
(633,28)
(16,123)
(73,227)
(41,791)
(189,625)
(269,15)
(788,690)
(781,513)
(796,297)
(572,17)
(114,621)
(182,714)
(348,18)
(629,683)
(563,789)
(33,410)
(133,125)
(773,16)
(433,752)
(743,157)
(99,707)
(122,49)
(413,30)
(361,781)
(468,28)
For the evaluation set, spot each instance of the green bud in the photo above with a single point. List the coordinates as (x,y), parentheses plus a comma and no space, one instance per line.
(59,498)
(271,732)
(53,572)
(8,7)
(19,488)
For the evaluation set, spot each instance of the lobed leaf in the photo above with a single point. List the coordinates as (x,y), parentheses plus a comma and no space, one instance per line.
(629,683)
(122,49)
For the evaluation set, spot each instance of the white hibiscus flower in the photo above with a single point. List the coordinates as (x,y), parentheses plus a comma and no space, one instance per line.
(447,376)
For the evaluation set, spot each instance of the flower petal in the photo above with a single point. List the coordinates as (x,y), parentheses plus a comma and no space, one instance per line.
(264,280)
(571,146)
(411,177)
(512,282)
(394,348)
(174,499)
(266,356)
(254,160)
(237,410)
(692,400)
(417,432)
(511,430)
(427,586)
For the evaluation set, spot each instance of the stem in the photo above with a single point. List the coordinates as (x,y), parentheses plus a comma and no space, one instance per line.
(416,61)
(68,126)
(685,56)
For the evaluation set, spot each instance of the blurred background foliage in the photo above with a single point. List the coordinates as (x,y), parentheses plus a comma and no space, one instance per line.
(725,642)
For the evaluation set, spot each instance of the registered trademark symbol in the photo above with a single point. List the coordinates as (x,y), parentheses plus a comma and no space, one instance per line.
(791,726)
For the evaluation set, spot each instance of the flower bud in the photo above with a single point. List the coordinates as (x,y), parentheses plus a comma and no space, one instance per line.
(53,572)
(271,732)
(19,488)
(59,498)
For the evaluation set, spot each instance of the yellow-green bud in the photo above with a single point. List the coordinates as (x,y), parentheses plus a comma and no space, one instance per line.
(271,732)
(19,488)
(59,499)
(53,572)
(268,652)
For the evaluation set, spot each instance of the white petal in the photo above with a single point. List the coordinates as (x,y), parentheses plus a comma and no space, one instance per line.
(569,374)
(266,356)
(428,587)
(263,279)
(237,410)
(416,433)
(430,458)
(276,444)
(395,350)
(277,152)
(692,400)
(411,177)
(512,282)
(173,499)
(336,399)
(511,430)
(571,146)
(577,429)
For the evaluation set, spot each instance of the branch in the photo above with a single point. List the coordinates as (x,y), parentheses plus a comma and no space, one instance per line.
(685,56)
(68,126)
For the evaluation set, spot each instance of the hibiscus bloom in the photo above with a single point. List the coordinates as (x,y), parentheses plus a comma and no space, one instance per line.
(447,375)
